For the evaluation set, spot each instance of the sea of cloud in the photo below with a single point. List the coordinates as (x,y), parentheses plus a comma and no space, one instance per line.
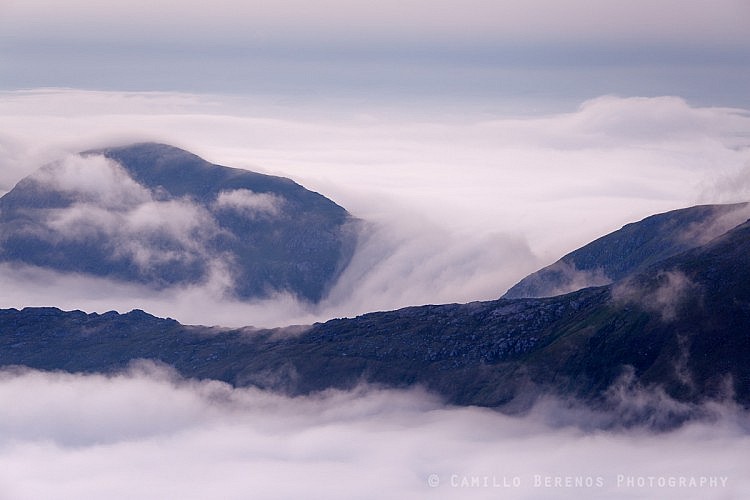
(146,433)
(459,206)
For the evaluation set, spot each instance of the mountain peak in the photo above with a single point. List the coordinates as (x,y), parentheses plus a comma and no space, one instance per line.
(158,215)
(632,248)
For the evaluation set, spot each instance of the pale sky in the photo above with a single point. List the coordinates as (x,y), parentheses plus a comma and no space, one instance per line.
(712,22)
(489,50)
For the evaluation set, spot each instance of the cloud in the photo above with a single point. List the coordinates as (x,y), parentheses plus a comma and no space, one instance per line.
(394,265)
(705,231)
(459,207)
(729,186)
(105,206)
(564,277)
(149,434)
(148,235)
(637,120)
(92,179)
(248,203)
(669,292)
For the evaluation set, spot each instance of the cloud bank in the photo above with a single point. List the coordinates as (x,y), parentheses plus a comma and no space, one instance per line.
(148,434)
(459,207)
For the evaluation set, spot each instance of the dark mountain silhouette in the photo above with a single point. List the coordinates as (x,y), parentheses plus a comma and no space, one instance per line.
(676,331)
(157,215)
(632,248)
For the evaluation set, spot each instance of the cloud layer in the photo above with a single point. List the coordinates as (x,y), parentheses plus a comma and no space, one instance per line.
(147,434)
(459,207)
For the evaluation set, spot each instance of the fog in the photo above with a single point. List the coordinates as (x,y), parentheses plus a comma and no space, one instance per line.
(458,207)
(148,434)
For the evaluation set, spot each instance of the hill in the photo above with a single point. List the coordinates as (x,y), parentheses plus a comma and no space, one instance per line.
(157,215)
(630,249)
(680,328)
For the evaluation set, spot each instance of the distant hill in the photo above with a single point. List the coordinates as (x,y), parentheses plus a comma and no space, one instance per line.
(630,249)
(679,327)
(157,215)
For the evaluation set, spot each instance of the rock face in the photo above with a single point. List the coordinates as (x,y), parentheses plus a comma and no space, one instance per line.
(678,330)
(157,215)
(632,248)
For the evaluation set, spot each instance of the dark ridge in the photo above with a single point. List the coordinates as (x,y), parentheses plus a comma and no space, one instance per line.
(631,249)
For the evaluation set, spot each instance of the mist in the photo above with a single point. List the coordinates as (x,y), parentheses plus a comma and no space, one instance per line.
(457,207)
(146,433)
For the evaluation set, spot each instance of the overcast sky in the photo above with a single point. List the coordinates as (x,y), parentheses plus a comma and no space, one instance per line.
(720,23)
(538,53)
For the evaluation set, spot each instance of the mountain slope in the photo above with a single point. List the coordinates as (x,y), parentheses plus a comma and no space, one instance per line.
(681,327)
(630,249)
(158,215)
(652,348)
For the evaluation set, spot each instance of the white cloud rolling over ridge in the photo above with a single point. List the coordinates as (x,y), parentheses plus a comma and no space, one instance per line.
(459,208)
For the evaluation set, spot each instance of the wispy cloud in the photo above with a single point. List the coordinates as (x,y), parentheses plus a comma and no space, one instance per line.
(669,293)
(248,203)
(103,205)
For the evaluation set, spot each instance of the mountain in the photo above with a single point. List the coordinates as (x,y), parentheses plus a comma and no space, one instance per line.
(157,215)
(652,347)
(630,249)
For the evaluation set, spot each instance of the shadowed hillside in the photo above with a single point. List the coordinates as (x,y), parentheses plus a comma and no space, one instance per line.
(157,215)
(679,328)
